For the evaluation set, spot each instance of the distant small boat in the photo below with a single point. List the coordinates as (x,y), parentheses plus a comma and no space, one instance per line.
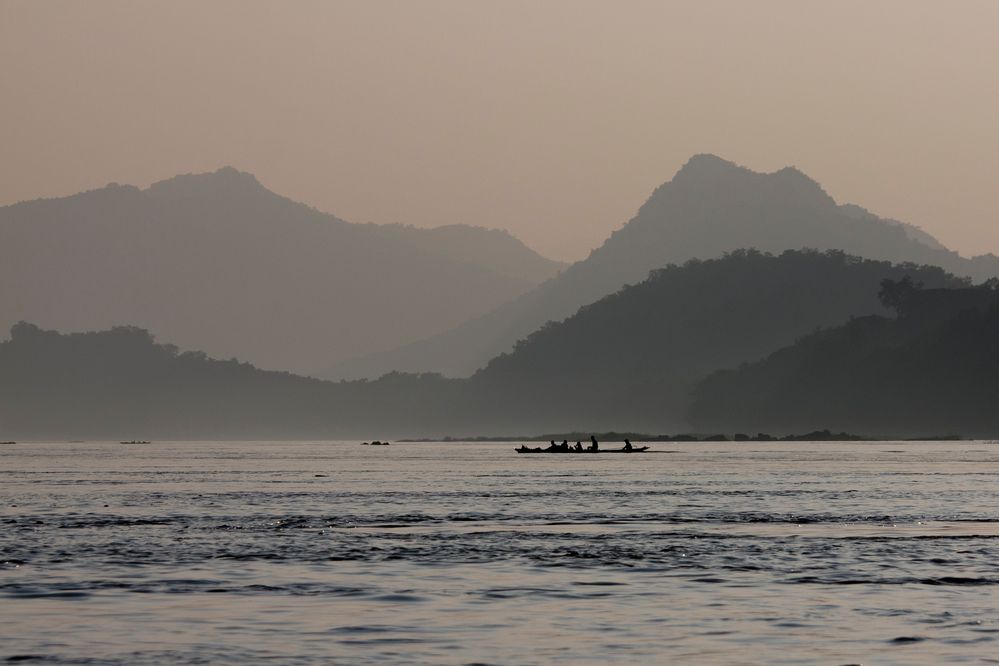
(135,441)
(8,442)
(635,449)
(374,443)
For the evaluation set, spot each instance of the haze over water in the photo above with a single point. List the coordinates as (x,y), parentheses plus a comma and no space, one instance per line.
(289,552)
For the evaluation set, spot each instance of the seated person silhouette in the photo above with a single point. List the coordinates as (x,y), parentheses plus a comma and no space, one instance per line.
(627,445)
(594,446)
(578,447)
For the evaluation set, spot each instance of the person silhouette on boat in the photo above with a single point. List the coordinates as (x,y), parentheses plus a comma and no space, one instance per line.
(565,445)
(594,445)
(552,446)
(628,446)
(578,447)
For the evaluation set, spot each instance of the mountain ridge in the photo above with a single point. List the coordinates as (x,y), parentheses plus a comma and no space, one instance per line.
(627,362)
(930,369)
(217,261)
(709,207)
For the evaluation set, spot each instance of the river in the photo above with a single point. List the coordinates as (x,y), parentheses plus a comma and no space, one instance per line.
(468,553)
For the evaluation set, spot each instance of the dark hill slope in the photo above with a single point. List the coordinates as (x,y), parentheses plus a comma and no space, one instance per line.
(627,362)
(631,359)
(710,207)
(932,370)
(218,262)
(120,384)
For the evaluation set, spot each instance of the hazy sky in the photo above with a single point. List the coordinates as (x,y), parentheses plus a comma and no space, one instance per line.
(553,119)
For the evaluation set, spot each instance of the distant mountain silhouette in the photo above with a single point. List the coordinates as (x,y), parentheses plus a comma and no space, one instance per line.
(911,230)
(120,384)
(631,360)
(930,371)
(626,362)
(217,262)
(710,207)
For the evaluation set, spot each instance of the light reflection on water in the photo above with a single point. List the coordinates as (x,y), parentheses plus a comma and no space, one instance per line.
(296,552)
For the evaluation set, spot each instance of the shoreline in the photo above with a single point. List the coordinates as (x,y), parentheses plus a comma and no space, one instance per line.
(614,436)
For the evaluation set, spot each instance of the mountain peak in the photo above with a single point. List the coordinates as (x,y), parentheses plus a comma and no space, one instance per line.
(228,172)
(791,174)
(708,174)
(227,179)
(706,165)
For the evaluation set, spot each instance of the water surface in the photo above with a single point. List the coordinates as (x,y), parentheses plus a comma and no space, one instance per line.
(331,552)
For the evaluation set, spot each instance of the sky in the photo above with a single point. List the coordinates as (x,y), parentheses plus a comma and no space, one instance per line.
(552,119)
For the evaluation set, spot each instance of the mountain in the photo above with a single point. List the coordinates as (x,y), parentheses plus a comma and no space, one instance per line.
(630,360)
(710,207)
(912,231)
(931,370)
(492,249)
(121,384)
(626,362)
(217,262)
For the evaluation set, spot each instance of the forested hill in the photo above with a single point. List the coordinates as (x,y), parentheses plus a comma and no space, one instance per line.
(220,263)
(628,362)
(631,359)
(711,206)
(932,370)
(121,384)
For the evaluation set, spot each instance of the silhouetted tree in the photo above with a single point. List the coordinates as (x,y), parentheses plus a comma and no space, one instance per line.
(898,294)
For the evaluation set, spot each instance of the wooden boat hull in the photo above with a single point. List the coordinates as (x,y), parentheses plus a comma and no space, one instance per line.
(637,449)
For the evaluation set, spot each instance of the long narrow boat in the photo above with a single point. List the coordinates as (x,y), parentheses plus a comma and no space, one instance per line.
(636,449)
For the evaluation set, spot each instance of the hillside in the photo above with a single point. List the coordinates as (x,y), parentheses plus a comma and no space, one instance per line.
(217,262)
(630,360)
(710,207)
(931,370)
(627,362)
(121,384)
(492,249)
